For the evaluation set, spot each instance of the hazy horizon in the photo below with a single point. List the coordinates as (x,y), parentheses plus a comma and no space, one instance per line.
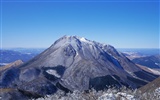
(120,23)
(51,44)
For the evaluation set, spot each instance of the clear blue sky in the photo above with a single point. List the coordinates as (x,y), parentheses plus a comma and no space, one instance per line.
(121,23)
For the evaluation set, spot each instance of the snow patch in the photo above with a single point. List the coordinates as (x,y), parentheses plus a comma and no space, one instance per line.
(156,63)
(157,90)
(4,64)
(154,71)
(82,39)
(53,72)
(125,96)
(157,93)
(122,95)
(107,96)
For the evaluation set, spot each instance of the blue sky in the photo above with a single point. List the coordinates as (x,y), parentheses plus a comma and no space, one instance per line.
(121,23)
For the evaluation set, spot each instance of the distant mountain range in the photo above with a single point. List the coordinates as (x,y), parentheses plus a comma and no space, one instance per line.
(149,61)
(133,55)
(140,51)
(75,63)
(11,55)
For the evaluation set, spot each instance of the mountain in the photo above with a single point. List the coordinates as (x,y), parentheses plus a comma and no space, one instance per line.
(28,50)
(149,61)
(75,63)
(8,56)
(13,54)
(140,51)
(132,55)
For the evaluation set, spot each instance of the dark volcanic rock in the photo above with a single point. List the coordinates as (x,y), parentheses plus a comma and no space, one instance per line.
(40,86)
(9,77)
(100,83)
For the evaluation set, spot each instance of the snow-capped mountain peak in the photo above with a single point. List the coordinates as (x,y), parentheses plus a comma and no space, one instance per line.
(76,63)
(83,39)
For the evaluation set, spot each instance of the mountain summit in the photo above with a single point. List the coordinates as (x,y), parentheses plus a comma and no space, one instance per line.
(75,63)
